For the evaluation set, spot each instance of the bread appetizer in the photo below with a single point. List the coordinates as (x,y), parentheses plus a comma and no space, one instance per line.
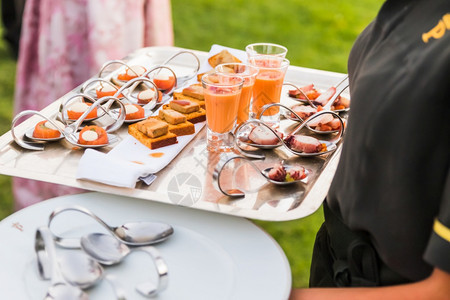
(153,133)
(192,110)
(195,91)
(221,58)
(177,121)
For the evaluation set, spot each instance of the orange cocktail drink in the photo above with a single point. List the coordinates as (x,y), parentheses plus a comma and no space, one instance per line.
(268,85)
(248,73)
(222,94)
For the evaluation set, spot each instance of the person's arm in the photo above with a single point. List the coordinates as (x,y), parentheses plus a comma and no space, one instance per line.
(435,287)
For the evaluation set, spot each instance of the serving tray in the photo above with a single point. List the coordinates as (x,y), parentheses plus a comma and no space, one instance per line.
(187,180)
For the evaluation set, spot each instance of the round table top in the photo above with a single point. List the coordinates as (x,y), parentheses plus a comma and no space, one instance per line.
(209,256)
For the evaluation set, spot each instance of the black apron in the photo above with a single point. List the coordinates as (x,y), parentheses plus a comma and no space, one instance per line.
(344,258)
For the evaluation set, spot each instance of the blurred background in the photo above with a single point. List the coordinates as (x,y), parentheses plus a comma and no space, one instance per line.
(318,34)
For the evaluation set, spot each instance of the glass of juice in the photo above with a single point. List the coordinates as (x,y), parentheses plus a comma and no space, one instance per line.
(265,49)
(222,94)
(267,87)
(248,73)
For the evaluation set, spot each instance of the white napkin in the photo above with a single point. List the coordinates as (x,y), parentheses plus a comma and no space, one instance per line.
(129,160)
(100,167)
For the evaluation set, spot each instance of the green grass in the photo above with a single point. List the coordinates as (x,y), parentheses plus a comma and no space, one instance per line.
(7,77)
(319,34)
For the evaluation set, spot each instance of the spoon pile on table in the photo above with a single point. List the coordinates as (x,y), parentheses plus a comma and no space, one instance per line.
(71,271)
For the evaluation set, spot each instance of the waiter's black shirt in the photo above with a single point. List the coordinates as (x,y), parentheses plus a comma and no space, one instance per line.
(393,180)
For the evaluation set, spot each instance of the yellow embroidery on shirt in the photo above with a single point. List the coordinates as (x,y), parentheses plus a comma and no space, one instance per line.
(441,230)
(439,30)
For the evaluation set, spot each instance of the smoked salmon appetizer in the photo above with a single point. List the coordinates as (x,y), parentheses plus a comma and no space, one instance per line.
(93,135)
(131,73)
(148,95)
(164,82)
(134,112)
(106,90)
(77,109)
(46,130)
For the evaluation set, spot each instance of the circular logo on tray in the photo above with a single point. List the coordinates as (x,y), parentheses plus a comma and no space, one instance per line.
(184,189)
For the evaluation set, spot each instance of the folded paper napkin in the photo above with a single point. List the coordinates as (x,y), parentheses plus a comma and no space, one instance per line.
(97,166)
(129,160)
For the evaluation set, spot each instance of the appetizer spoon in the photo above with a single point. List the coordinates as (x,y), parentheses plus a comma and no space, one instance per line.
(236,193)
(331,144)
(327,107)
(184,79)
(86,87)
(60,289)
(158,68)
(109,251)
(132,84)
(239,137)
(314,103)
(113,62)
(71,131)
(80,270)
(133,233)
(24,141)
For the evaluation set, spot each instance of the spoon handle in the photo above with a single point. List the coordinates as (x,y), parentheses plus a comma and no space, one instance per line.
(149,289)
(44,243)
(117,287)
(74,242)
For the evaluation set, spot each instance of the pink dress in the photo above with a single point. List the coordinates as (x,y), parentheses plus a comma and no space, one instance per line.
(64,43)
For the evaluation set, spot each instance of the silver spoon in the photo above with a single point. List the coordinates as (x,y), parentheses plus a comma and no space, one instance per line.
(59,289)
(80,270)
(184,79)
(24,141)
(331,145)
(108,251)
(133,233)
(236,193)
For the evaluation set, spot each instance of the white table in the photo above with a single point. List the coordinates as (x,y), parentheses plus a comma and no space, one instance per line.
(210,255)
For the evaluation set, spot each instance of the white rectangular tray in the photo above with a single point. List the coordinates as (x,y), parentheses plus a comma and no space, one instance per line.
(187,180)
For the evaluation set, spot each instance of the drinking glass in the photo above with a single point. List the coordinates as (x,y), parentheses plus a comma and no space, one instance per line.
(265,49)
(222,94)
(248,73)
(267,87)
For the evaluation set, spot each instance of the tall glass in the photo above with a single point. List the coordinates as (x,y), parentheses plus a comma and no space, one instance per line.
(267,87)
(222,94)
(265,49)
(248,73)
